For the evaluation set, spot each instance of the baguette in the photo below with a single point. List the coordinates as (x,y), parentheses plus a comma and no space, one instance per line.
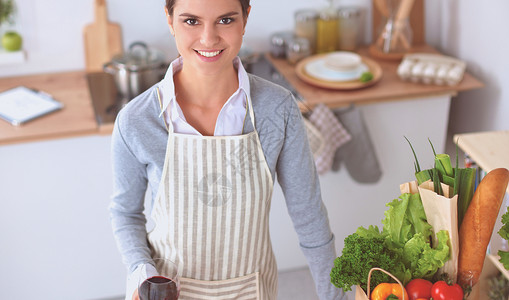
(477,226)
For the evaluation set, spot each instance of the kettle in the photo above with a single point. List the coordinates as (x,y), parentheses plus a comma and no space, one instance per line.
(137,70)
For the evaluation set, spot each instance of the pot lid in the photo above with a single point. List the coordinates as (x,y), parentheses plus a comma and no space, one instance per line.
(139,57)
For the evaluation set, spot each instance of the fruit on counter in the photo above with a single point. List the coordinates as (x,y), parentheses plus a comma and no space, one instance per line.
(441,290)
(504,233)
(477,227)
(419,288)
(12,41)
(366,76)
(384,290)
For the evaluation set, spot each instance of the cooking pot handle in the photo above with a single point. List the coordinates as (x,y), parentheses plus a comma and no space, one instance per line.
(108,68)
(139,44)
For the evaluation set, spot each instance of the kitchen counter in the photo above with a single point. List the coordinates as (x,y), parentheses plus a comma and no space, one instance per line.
(78,118)
(390,87)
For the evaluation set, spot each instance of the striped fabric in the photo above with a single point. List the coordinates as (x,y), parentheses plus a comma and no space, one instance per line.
(211,216)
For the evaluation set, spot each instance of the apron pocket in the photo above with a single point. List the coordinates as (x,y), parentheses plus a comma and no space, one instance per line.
(241,288)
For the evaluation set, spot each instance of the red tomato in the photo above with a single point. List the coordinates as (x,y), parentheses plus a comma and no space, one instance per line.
(419,288)
(442,291)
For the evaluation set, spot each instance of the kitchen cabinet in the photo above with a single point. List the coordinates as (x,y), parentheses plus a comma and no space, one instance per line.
(489,151)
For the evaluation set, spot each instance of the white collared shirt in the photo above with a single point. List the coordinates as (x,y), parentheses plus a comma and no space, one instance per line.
(230,120)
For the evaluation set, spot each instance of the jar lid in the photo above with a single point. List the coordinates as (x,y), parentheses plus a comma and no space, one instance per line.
(328,14)
(306,14)
(349,12)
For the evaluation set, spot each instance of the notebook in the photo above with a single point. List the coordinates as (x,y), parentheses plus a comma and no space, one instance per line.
(21,104)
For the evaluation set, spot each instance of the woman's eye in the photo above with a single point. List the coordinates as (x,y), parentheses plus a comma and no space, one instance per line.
(191,21)
(226,20)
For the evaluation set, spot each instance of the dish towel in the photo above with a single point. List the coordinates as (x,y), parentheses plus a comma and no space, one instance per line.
(333,133)
(359,154)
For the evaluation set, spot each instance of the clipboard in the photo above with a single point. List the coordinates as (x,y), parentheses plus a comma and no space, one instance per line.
(21,104)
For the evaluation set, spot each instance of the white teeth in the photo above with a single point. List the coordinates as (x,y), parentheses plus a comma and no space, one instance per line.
(208,54)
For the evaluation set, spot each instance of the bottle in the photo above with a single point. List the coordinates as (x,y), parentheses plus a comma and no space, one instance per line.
(305,26)
(297,49)
(327,30)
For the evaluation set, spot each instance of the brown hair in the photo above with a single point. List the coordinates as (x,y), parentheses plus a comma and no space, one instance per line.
(170,4)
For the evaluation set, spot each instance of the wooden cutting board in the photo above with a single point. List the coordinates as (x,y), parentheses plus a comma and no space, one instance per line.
(102,39)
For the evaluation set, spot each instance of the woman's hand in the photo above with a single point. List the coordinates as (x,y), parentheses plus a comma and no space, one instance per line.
(135,295)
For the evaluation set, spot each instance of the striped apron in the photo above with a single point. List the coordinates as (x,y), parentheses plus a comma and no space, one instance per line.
(211,216)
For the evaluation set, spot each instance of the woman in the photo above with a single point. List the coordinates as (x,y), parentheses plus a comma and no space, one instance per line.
(208,140)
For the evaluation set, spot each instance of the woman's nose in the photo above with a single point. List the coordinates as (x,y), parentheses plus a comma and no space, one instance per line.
(209,36)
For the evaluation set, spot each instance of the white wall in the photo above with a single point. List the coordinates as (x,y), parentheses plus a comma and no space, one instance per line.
(52,29)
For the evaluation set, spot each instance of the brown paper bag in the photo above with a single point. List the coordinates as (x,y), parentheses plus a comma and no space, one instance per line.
(442,214)
(361,295)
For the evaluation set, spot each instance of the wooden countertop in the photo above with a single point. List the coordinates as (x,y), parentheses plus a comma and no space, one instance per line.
(488,149)
(75,119)
(390,87)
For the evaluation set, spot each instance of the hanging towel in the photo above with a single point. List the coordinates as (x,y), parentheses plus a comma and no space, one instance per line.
(315,138)
(359,154)
(333,133)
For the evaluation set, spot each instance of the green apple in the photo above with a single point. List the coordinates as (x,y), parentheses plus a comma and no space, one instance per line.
(11,41)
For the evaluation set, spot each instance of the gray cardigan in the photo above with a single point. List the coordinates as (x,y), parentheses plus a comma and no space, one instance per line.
(138,152)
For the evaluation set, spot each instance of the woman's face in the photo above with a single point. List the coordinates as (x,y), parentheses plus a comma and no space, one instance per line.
(208,33)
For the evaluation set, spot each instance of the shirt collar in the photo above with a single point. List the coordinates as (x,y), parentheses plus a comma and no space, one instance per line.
(167,86)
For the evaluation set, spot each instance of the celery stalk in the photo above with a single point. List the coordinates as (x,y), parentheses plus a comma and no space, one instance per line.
(466,191)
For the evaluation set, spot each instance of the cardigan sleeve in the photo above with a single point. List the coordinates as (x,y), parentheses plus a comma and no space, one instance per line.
(300,184)
(127,202)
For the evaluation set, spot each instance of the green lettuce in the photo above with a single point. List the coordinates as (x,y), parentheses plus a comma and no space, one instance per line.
(504,233)
(407,231)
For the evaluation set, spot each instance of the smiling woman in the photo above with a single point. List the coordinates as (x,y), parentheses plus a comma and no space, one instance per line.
(211,161)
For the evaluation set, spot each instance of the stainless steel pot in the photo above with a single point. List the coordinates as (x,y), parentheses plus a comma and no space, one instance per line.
(137,70)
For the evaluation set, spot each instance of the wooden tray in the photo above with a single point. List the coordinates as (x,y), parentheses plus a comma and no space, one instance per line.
(373,66)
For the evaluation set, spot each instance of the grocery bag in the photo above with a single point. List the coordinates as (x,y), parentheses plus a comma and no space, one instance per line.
(442,214)
(361,295)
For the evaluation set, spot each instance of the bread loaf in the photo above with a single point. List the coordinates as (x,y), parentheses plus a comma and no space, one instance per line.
(478,223)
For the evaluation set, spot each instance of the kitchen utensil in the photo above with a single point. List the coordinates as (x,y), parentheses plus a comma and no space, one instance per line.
(137,70)
(372,66)
(102,39)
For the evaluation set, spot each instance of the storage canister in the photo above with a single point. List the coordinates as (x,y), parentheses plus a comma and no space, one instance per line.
(327,30)
(297,49)
(305,26)
(349,27)
(279,42)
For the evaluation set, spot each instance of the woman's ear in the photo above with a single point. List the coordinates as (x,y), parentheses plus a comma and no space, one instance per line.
(169,20)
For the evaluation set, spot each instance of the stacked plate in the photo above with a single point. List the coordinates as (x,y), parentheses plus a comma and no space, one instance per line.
(337,66)
(337,70)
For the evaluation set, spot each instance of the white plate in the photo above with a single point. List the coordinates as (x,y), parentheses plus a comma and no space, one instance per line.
(319,70)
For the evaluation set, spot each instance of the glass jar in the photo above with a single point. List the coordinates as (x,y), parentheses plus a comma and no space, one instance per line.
(327,30)
(298,48)
(279,42)
(305,26)
(394,32)
(349,28)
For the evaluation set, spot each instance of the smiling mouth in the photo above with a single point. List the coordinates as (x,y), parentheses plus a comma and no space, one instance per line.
(209,53)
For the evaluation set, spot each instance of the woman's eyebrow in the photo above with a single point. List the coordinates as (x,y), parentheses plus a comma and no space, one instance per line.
(228,14)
